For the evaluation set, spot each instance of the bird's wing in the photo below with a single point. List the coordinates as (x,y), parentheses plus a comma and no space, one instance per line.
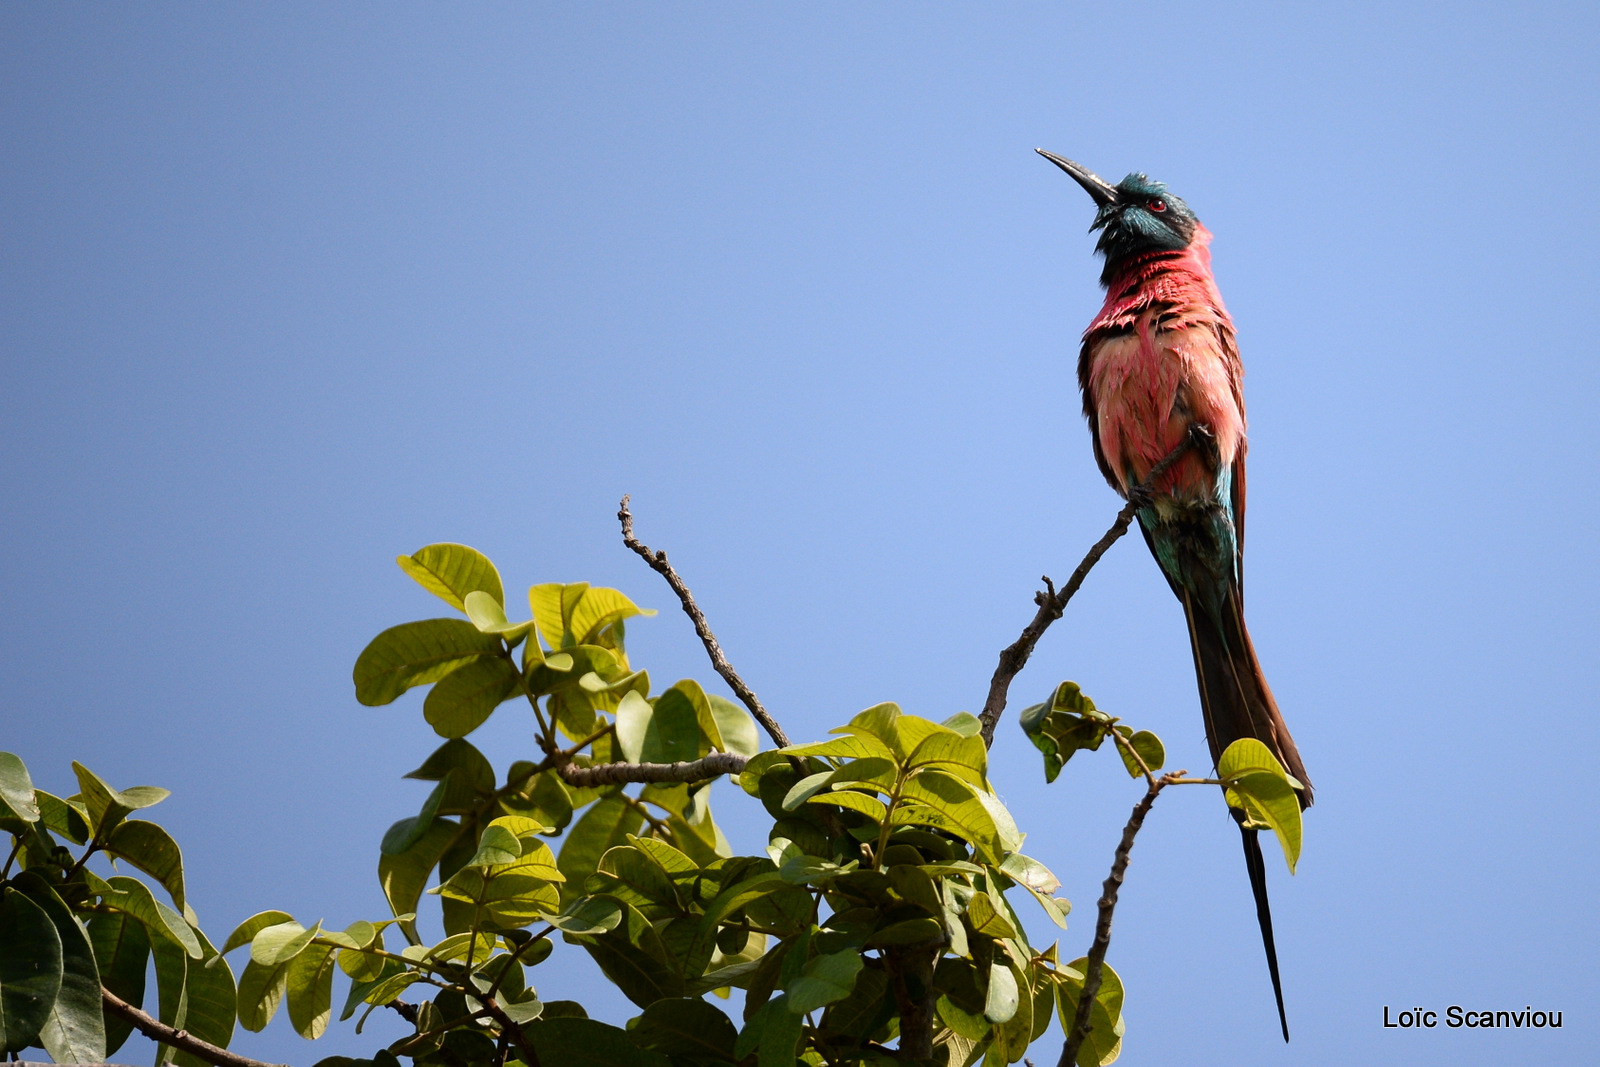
(1091,407)
(1230,349)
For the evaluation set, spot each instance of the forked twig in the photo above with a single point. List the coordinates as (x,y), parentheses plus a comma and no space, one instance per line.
(1108,905)
(1052,602)
(658,563)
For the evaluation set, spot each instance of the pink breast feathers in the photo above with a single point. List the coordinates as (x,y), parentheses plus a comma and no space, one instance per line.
(1161,358)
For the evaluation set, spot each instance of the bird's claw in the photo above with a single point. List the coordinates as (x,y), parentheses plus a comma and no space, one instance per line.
(1202,440)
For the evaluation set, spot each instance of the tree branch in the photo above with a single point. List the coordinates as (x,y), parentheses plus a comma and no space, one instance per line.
(1102,931)
(519,1037)
(1052,603)
(658,563)
(179,1039)
(712,766)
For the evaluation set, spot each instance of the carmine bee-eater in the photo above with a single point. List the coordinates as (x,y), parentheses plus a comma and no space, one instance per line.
(1159,364)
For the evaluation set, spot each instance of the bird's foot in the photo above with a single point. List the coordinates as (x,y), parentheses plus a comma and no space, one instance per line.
(1202,440)
(1142,496)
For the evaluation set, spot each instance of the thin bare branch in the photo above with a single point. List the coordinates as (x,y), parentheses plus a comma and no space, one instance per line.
(179,1039)
(1052,602)
(658,563)
(712,766)
(1102,931)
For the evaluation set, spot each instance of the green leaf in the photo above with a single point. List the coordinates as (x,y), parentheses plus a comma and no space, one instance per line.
(75,1031)
(309,982)
(806,788)
(959,804)
(525,1010)
(587,916)
(1260,787)
(773,1032)
(597,610)
(854,746)
(246,931)
(545,603)
(281,943)
(172,973)
(1066,724)
(544,799)
(604,826)
(774,761)
(134,897)
(1104,1043)
(404,876)
(967,1024)
(881,722)
(122,953)
(260,992)
(631,876)
(823,980)
(212,1003)
(964,723)
(869,806)
(390,988)
(107,806)
(577,614)
(468,695)
(1037,879)
(496,845)
(152,850)
(30,969)
(513,893)
(1013,1035)
(710,734)
(964,757)
(1001,1002)
(489,616)
(987,920)
(404,833)
(417,653)
(730,900)
(635,960)
(61,817)
(451,572)
(865,1011)
(873,770)
(16,788)
(909,932)
(737,727)
(565,671)
(473,770)
(574,1042)
(687,1029)
(1149,747)
(669,859)
(666,733)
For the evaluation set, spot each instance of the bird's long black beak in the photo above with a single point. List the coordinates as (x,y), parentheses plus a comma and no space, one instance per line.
(1103,192)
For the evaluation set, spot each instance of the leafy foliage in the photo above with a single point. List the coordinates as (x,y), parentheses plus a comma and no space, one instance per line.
(882,904)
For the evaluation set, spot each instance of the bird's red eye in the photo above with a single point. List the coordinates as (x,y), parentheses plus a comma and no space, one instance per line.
(1158,205)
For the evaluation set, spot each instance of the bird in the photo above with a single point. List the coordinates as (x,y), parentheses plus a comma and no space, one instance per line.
(1160,365)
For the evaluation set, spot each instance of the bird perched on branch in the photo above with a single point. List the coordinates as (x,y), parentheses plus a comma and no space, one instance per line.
(1158,366)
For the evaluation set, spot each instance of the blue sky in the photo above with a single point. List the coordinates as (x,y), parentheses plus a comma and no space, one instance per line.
(288,290)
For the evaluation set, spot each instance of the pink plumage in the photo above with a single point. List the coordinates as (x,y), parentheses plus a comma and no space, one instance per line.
(1158,358)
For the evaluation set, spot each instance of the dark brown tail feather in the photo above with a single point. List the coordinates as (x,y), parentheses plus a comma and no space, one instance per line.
(1237,702)
(1234,694)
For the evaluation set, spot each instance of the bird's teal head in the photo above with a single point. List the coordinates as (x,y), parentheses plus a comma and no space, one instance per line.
(1134,216)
